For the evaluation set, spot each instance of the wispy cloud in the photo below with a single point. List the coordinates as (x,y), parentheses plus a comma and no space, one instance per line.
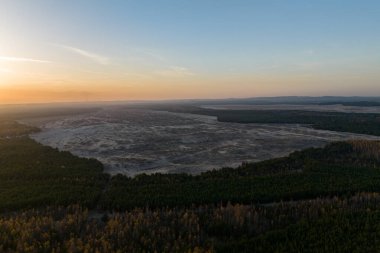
(22,59)
(151,54)
(309,65)
(175,71)
(89,55)
(3,70)
(137,75)
(309,52)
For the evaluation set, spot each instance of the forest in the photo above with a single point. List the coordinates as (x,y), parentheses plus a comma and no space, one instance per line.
(35,175)
(353,103)
(360,123)
(339,169)
(315,200)
(335,224)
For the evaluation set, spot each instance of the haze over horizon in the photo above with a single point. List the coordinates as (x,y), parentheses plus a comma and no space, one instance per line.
(60,51)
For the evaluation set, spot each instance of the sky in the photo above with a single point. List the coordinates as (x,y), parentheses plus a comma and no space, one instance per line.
(97,50)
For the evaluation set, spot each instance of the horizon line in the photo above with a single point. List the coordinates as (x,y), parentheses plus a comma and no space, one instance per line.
(178,100)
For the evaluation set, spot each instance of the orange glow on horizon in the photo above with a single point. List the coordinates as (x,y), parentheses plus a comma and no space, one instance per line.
(25,80)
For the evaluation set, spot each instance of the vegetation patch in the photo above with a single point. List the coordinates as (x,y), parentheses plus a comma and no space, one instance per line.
(361,123)
(33,175)
(340,168)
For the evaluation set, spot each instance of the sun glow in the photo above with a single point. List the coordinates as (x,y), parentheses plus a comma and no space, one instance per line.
(52,52)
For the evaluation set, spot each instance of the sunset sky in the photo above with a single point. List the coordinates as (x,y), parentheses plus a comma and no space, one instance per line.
(87,50)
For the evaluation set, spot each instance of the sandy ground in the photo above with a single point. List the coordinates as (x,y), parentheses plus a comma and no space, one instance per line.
(135,141)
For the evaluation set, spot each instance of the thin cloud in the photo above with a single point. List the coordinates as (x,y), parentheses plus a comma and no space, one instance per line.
(309,52)
(137,75)
(2,70)
(89,55)
(311,65)
(151,54)
(175,71)
(21,59)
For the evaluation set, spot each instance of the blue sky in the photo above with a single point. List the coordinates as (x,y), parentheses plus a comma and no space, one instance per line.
(253,45)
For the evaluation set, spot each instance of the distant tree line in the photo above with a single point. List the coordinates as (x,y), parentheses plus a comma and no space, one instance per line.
(361,123)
